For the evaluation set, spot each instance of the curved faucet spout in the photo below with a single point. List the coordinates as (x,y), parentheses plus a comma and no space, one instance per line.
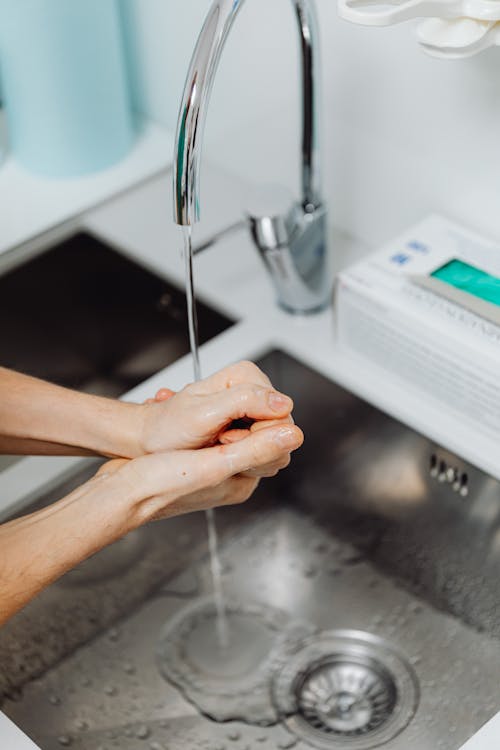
(195,101)
(293,245)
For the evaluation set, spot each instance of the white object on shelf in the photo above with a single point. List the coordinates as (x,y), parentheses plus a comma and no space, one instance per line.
(451,29)
(31,205)
(388,12)
(433,338)
(455,38)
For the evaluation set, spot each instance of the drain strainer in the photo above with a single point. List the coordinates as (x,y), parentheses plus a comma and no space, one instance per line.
(346,697)
(346,689)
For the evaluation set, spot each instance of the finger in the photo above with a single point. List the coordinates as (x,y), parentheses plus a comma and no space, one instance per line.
(233,491)
(269,470)
(236,374)
(164,394)
(257,450)
(239,489)
(157,480)
(235,435)
(244,402)
(263,424)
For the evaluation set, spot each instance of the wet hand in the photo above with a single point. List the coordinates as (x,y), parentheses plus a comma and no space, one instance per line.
(161,485)
(203,413)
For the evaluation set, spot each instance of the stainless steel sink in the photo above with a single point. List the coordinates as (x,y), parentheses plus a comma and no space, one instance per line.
(371,567)
(84,315)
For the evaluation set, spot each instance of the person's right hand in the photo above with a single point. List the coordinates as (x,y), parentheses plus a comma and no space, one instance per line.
(161,485)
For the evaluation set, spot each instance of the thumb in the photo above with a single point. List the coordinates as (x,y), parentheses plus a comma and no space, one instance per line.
(257,449)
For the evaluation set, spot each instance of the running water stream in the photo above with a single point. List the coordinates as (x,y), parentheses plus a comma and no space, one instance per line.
(213,544)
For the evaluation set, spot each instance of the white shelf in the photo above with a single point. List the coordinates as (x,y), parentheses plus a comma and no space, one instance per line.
(31,205)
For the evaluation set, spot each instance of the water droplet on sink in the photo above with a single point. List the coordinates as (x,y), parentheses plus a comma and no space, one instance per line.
(65,740)
(309,571)
(81,725)
(54,700)
(287,743)
(234,736)
(142,732)
(114,634)
(110,690)
(155,746)
(335,572)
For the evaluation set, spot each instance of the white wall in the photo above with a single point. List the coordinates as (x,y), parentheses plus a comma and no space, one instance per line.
(404,134)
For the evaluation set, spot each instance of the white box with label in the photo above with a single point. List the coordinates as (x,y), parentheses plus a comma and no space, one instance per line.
(425,309)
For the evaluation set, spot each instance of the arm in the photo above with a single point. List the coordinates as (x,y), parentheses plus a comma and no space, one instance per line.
(39,548)
(40,418)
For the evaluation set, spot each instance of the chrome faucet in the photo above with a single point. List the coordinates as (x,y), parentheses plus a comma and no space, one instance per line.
(293,244)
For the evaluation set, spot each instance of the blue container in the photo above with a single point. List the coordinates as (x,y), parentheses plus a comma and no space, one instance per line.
(64,85)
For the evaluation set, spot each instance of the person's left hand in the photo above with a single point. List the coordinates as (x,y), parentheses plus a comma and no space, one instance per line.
(161,485)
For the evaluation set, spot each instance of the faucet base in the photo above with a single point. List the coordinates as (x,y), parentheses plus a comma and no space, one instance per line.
(294,249)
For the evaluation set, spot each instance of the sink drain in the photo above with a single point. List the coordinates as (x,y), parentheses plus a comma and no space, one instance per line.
(346,689)
(346,697)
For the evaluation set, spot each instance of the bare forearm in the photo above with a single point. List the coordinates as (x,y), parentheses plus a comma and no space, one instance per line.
(10,446)
(41,418)
(39,548)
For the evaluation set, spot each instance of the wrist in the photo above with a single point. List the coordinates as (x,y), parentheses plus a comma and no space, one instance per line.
(127,486)
(115,498)
(116,429)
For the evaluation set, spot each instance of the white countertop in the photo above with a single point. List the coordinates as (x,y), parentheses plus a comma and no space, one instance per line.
(30,205)
(230,277)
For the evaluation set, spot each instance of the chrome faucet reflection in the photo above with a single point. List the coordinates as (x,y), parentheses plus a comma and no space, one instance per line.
(292,242)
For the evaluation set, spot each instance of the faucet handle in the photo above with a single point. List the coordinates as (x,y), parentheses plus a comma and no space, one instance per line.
(292,242)
(269,215)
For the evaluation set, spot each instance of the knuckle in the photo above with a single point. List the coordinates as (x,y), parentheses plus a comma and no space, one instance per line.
(245,490)
(285,462)
(247,394)
(259,455)
(248,366)
(227,460)
(252,372)
(188,389)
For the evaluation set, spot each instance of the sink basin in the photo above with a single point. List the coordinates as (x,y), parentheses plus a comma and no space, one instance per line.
(370,570)
(85,316)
